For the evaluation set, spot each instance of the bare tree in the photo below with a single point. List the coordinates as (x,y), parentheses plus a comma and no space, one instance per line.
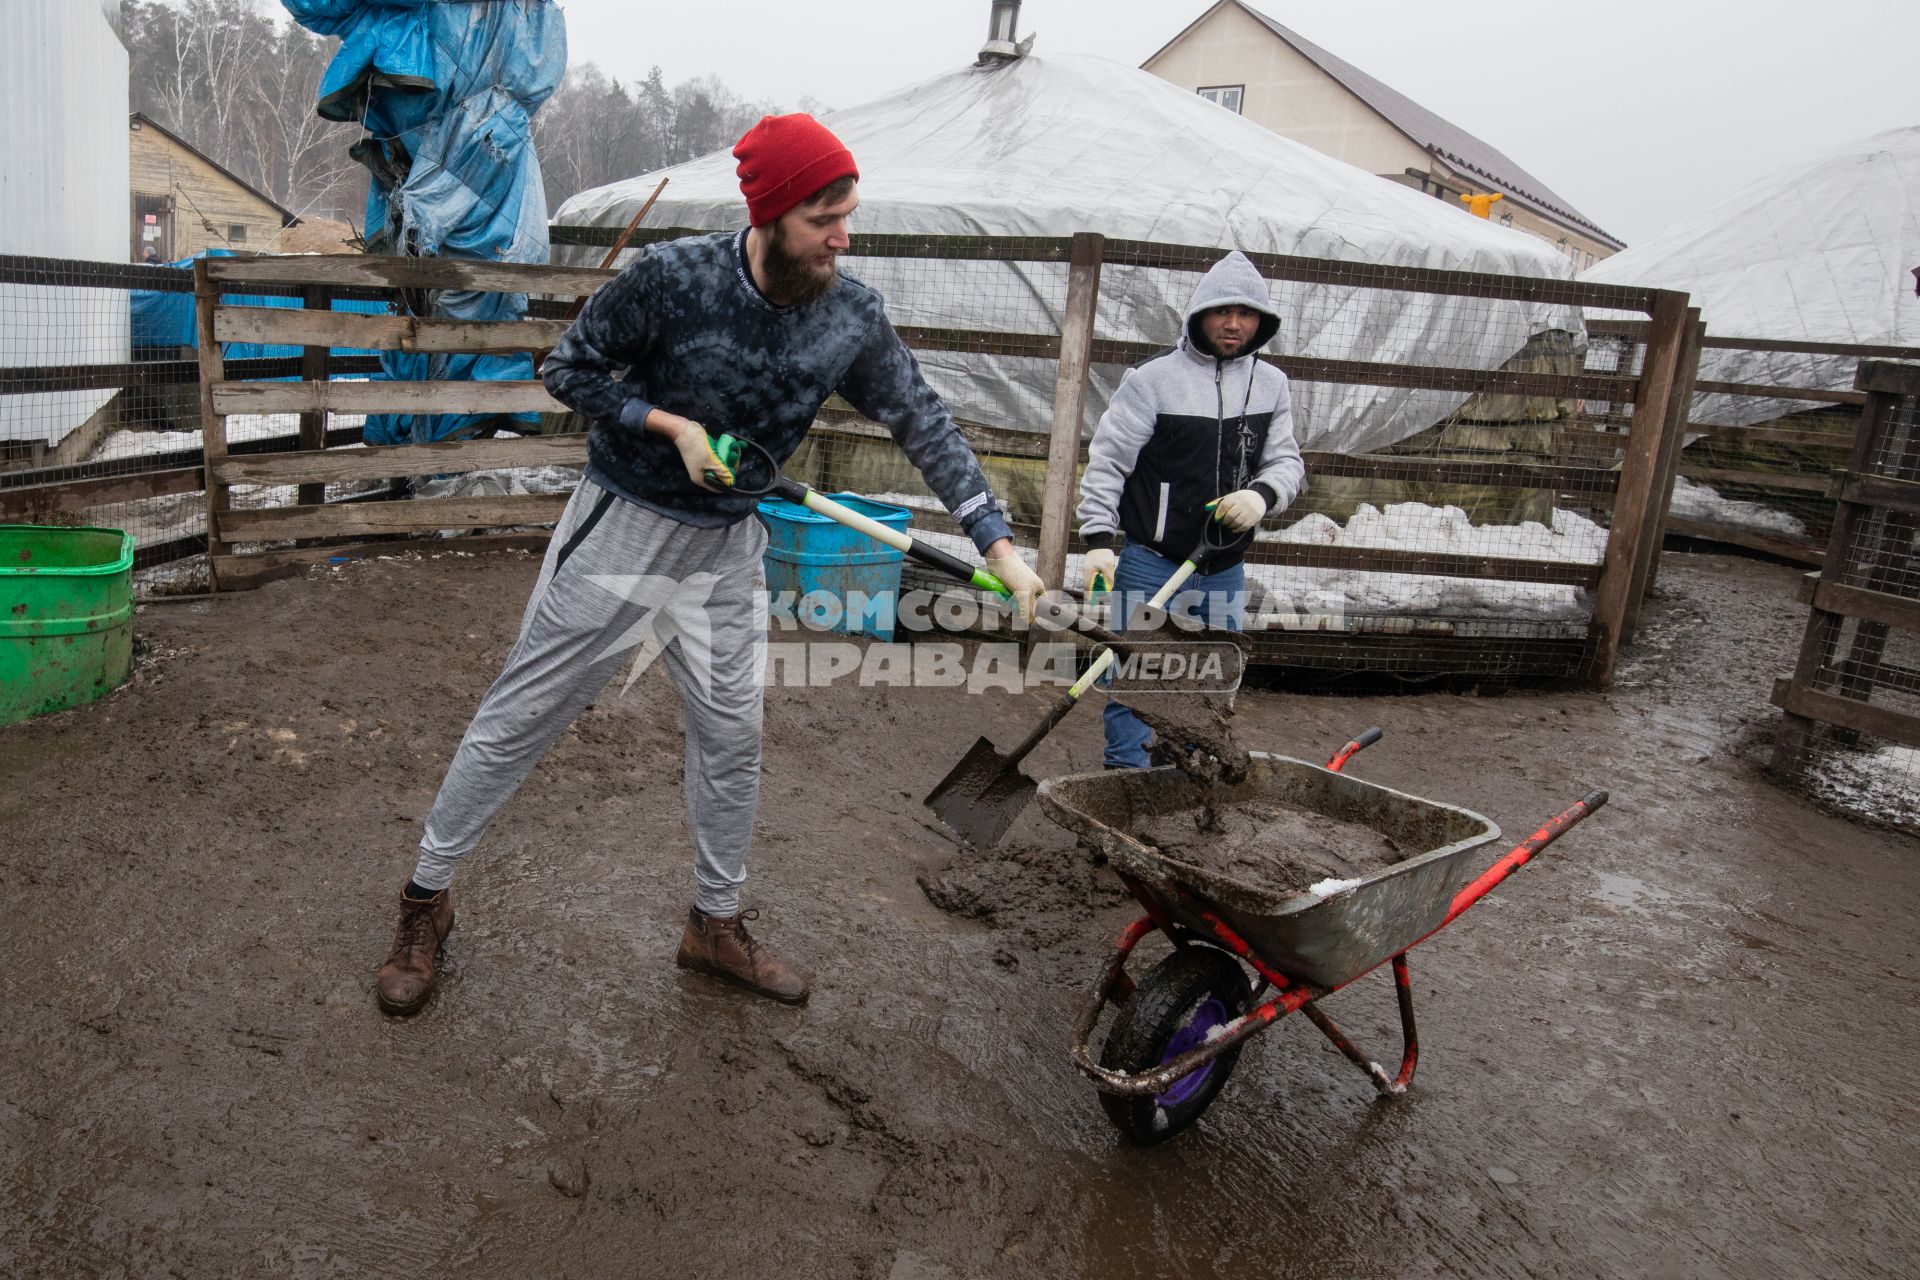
(239,82)
(302,156)
(232,79)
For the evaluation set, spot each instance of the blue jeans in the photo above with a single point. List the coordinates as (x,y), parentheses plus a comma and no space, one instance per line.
(1217,599)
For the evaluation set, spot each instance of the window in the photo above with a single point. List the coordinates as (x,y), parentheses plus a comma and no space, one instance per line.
(1225,95)
(236,233)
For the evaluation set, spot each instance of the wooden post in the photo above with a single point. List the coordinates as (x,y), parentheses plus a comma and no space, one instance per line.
(313,368)
(1635,530)
(1677,419)
(1069,406)
(1893,550)
(213,426)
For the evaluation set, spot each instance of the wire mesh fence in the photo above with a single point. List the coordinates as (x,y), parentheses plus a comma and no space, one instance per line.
(1462,442)
(1771,421)
(1851,733)
(100,408)
(1465,435)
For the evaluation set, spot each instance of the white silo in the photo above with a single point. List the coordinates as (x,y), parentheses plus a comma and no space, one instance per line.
(63,194)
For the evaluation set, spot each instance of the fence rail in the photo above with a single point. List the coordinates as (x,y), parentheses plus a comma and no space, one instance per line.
(1764,481)
(1529,444)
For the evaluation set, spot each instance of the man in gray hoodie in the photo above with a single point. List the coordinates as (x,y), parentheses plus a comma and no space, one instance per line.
(1203,423)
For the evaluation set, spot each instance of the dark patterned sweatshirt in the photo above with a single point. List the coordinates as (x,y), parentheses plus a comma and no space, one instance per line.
(696,337)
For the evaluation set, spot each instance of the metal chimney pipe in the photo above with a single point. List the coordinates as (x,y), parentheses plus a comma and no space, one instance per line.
(1004,22)
(1002,27)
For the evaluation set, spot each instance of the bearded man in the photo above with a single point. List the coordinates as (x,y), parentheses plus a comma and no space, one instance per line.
(744,333)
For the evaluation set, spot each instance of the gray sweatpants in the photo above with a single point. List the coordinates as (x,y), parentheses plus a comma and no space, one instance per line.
(619,580)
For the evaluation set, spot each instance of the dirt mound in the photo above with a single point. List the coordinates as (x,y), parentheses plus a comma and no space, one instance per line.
(1043,891)
(1273,850)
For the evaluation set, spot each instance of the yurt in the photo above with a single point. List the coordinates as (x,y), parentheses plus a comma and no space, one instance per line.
(1050,146)
(1823,251)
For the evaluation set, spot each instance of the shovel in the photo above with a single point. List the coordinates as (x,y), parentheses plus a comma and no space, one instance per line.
(983,794)
(732,449)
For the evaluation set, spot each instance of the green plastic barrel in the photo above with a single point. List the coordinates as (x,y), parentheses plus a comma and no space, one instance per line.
(66,617)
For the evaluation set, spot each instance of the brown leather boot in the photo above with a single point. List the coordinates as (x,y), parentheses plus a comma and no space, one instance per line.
(722,947)
(406,979)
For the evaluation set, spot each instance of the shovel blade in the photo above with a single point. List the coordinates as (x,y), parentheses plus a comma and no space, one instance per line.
(981,796)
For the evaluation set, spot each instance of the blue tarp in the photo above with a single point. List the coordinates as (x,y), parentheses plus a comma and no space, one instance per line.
(447,90)
(164,320)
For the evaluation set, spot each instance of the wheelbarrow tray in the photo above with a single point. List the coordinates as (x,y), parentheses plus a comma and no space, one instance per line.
(1322,942)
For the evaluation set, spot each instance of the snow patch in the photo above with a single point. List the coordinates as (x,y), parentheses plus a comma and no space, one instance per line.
(1882,785)
(1332,599)
(1702,503)
(1327,888)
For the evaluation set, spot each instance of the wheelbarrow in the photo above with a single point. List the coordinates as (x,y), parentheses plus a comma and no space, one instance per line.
(1179,1030)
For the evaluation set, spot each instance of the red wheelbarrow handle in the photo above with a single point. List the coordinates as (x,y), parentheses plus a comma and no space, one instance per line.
(1522,854)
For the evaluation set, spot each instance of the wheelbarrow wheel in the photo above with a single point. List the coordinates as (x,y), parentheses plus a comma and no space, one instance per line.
(1169,1013)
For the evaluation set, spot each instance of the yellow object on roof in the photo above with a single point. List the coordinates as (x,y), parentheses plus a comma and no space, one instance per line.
(1481,206)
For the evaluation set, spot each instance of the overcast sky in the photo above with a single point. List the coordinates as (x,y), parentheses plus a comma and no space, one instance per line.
(1638,112)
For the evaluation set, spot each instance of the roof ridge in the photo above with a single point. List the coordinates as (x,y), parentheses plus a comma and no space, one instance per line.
(290,218)
(1406,115)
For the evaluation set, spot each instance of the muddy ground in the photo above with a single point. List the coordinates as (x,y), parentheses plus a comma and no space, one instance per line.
(1682,1044)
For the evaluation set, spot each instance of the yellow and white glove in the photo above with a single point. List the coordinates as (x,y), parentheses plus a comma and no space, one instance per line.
(1021,582)
(1102,564)
(704,467)
(1240,510)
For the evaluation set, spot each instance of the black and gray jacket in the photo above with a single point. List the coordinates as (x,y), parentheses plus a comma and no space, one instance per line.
(1185,428)
(696,337)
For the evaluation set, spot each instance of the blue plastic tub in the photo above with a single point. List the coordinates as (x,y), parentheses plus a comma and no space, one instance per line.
(821,561)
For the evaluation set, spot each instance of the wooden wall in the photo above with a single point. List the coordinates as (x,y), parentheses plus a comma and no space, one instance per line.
(206,203)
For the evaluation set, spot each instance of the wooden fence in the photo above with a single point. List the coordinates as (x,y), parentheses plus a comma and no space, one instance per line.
(1856,672)
(1617,470)
(314,465)
(1784,464)
(156,390)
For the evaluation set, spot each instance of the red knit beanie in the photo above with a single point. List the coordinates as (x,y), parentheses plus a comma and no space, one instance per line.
(785,159)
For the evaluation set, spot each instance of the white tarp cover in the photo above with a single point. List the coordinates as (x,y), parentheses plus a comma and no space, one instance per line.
(1820,252)
(1052,146)
(64,193)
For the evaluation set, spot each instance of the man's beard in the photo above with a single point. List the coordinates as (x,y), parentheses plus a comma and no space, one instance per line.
(791,281)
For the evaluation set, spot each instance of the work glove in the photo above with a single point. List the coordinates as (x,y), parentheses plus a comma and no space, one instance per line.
(1102,564)
(1239,510)
(700,455)
(1021,582)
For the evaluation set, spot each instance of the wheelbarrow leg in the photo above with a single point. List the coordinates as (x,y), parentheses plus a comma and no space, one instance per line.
(1409,1034)
(1410,1056)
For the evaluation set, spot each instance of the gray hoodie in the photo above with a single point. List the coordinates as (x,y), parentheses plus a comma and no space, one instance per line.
(1186,427)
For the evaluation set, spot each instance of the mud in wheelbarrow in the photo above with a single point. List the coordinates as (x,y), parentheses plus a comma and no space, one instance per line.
(1179,1029)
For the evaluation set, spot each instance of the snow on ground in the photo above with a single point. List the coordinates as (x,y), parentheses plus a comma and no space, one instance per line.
(1882,785)
(183,515)
(509,482)
(241,426)
(1287,596)
(1699,502)
(1336,599)
(1415,526)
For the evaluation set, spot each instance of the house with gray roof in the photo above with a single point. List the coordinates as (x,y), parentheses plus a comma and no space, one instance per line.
(1244,61)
